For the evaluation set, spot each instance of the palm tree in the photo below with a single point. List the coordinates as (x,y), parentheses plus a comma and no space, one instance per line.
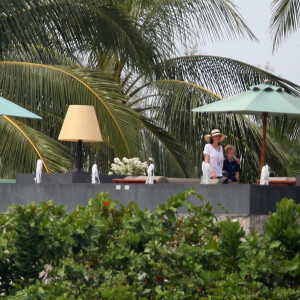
(178,91)
(116,56)
(111,37)
(285,19)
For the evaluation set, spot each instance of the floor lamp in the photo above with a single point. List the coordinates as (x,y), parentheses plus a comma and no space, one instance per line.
(80,125)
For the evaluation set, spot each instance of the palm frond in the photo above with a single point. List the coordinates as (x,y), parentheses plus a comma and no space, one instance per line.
(22,145)
(221,75)
(287,129)
(167,22)
(53,88)
(73,26)
(285,19)
(27,25)
(40,54)
(170,157)
(125,40)
(173,98)
(246,136)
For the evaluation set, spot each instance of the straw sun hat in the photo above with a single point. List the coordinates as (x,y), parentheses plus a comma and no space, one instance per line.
(214,132)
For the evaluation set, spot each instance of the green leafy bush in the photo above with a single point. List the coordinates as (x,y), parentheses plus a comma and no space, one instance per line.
(284,226)
(110,251)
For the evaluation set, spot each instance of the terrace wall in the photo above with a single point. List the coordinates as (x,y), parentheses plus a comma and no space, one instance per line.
(250,204)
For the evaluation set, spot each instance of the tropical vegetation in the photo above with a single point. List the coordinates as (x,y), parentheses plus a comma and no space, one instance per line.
(178,251)
(122,58)
(285,20)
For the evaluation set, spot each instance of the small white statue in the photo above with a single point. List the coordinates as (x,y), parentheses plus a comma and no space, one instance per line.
(264,176)
(150,173)
(206,170)
(38,172)
(95,174)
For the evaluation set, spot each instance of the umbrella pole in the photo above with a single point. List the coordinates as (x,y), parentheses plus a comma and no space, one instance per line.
(263,148)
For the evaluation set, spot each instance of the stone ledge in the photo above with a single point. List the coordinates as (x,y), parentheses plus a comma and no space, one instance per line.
(238,199)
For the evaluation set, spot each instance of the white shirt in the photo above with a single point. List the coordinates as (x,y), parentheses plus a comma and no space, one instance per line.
(216,158)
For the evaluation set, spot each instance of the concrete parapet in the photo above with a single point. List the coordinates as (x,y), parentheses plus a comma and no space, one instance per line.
(244,199)
(248,204)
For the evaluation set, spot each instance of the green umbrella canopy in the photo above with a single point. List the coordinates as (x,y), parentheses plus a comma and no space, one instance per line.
(259,99)
(264,99)
(9,108)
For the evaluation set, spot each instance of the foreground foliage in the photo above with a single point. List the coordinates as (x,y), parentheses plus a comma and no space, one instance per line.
(109,251)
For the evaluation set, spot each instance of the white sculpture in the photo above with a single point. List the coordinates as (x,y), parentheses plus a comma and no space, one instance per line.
(264,176)
(206,170)
(95,174)
(38,172)
(150,173)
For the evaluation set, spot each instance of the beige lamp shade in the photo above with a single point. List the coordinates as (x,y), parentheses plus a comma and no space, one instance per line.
(80,123)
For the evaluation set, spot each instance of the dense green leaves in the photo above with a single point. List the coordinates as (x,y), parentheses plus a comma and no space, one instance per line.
(179,251)
(31,237)
(283,226)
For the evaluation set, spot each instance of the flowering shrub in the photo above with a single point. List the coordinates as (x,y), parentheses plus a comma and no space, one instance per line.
(107,250)
(128,166)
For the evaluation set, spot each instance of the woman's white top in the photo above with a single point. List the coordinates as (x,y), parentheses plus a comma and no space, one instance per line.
(216,158)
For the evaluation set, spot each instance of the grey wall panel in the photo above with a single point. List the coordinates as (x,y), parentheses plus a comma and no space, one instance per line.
(242,199)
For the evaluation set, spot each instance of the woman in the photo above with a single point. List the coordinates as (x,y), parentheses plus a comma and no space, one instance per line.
(213,152)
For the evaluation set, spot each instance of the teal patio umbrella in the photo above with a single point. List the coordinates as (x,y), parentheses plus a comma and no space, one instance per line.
(264,99)
(9,108)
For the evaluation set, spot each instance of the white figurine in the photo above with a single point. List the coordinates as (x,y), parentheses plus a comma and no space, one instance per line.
(38,172)
(206,170)
(95,174)
(264,176)
(150,173)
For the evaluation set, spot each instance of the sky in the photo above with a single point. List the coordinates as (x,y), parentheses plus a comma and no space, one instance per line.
(285,62)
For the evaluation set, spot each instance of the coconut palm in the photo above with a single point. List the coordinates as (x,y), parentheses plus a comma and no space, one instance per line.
(285,19)
(208,79)
(111,36)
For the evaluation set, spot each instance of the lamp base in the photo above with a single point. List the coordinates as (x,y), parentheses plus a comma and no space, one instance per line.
(80,176)
(76,170)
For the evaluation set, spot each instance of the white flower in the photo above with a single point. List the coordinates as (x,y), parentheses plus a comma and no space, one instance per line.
(117,160)
(132,166)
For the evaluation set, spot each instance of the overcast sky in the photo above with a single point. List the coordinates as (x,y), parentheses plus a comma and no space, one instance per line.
(286,60)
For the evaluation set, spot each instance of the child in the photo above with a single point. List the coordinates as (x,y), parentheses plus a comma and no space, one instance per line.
(230,164)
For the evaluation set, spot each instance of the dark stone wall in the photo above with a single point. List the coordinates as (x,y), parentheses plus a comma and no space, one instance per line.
(263,198)
(241,199)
